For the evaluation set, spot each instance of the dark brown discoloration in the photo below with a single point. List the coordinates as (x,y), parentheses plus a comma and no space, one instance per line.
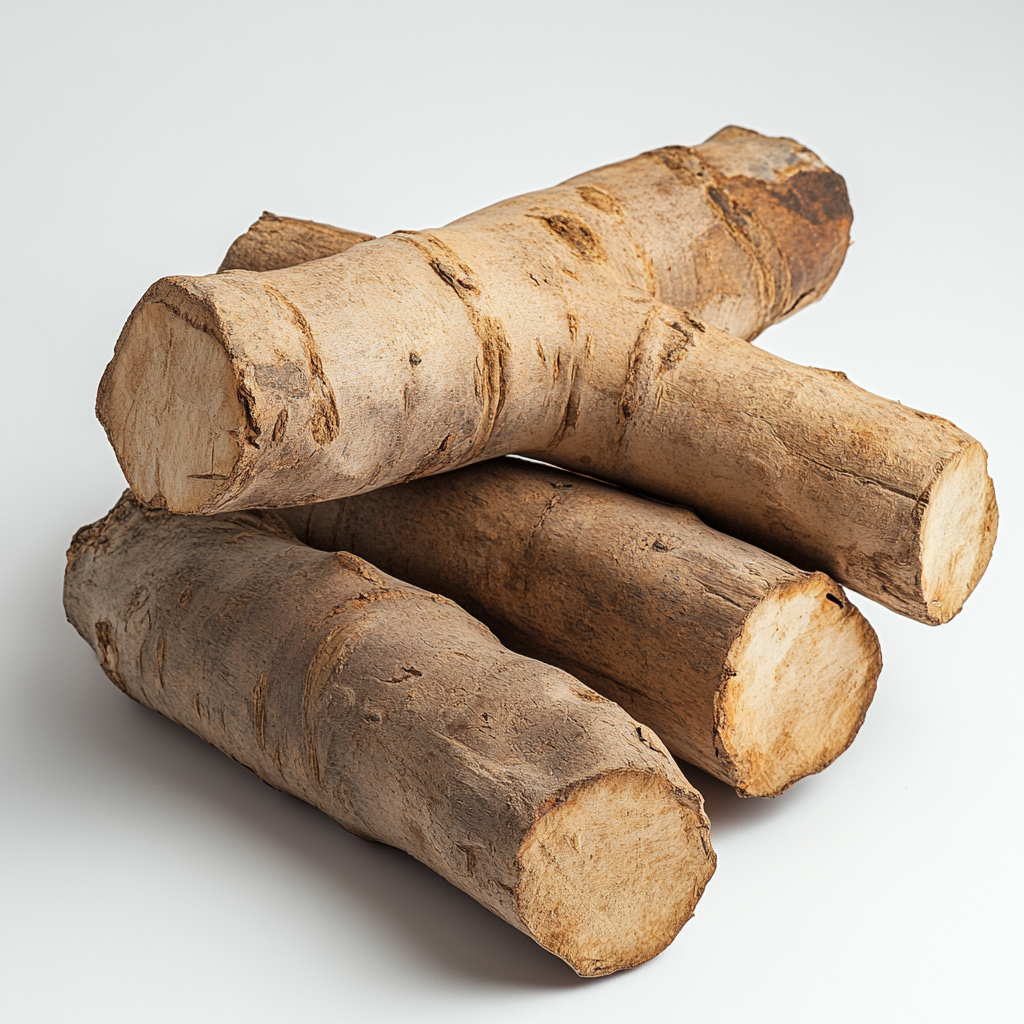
(809,215)
(600,199)
(580,237)
(788,212)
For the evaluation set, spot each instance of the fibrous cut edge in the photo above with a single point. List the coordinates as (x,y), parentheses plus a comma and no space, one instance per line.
(613,872)
(183,409)
(958,532)
(805,669)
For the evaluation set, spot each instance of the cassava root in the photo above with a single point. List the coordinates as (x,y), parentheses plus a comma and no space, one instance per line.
(403,719)
(745,666)
(574,325)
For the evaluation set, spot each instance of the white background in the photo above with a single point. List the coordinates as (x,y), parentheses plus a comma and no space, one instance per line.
(148,878)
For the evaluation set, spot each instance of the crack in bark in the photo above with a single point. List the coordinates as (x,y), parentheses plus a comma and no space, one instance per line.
(324,421)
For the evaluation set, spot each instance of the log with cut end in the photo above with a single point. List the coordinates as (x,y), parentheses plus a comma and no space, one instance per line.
(957,511)
(753,670)
(540,326)
(404,719)
(746,666)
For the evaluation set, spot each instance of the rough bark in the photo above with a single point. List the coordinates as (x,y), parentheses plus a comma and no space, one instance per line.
(537,326)
(745,666)
(274,242)
(403,719)
(753,670)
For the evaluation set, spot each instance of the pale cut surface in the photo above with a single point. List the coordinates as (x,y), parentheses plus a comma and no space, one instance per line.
(397,714)
(186,396)
(649,605)
(961,503)
(590,864)
(805,671)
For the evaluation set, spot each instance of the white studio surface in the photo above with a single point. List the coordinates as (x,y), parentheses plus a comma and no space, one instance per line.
(148,878)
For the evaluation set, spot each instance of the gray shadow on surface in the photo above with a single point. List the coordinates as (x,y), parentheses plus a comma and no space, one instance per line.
(728,811)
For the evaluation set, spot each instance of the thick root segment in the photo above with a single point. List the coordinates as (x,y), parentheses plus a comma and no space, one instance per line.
(754,670)
(456,313)
(574,325)
(402,718)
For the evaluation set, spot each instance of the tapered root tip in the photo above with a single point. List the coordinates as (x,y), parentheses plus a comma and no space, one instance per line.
(169,403)
(612,872)
(804,673)
(958,531)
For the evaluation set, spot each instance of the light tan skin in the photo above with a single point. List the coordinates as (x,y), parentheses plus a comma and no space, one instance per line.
(574,325)
(404,719)
(753,670)
(744,665)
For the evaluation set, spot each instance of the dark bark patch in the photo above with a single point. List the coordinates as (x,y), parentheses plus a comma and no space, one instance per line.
(579,237)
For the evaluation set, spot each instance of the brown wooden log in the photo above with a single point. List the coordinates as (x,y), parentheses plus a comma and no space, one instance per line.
(536,326)
(744,665)
(274,242)
(402,718)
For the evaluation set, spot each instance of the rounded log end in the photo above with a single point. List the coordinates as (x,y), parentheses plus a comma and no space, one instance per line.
(170,406)
(958,532)
(612,872)
(805,666)
(801,201)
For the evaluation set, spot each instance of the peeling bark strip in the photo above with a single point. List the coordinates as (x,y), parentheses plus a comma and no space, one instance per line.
(798,461)
(746,666)
(405,720)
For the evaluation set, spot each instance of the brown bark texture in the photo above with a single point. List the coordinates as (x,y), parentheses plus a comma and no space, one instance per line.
(744,665)
(753,670)
(275,242)
(543,325)
(404,719)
